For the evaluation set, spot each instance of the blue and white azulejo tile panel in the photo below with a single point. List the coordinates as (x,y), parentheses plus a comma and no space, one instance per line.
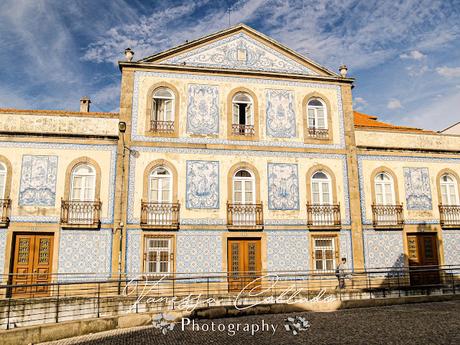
(203,109)
(346,247)
(418,190)
(281,120)
(3,233)
(283,186)
(287,250)
(451,244)
(133,261)
(38,180)
(83,251)
(202,184)
(199,251)
(383,248)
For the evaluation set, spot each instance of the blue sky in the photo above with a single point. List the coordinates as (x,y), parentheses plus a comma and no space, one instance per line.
(405,55)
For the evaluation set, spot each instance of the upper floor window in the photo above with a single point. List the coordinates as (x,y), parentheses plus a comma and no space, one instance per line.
(449,190)
(321,188)
(163,110)
(243,114)
(244,187)
(160,186)
(83,183)
(384,189)
(3,172)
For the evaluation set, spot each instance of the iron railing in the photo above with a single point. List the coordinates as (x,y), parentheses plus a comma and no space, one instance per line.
(162,126)
(80,213)
(5,205)
(247,130)
(318,133)
(387,216)
(245,215)
(449,216)
(326,216)
(83,296)
(160,215)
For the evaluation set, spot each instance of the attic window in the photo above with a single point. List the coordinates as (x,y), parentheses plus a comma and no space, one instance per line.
(241,54)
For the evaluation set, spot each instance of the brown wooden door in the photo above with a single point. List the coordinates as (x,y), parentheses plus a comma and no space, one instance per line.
(244,263)
(423,258)
(33,255)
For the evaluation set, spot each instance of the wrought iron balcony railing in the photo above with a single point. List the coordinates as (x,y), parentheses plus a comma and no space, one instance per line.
(323,216)
(248,216)
(161,126)
(387,216)
(158,215)
(449,216)
(318,133)
(246,130)
(80,213)
(5,205)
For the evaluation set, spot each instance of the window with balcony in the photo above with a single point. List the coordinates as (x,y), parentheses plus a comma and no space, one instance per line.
(386,212)
(325,252)
(243,114)
(159,209)
(82,208)
(317,119)
(158,255)
(449,208)
(163,108)
(244,210)
(322,212)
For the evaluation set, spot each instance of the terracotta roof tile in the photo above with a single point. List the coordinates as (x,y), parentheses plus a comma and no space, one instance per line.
(56,112)
(370,122)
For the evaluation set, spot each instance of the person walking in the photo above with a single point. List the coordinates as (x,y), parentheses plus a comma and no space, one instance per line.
(340,273)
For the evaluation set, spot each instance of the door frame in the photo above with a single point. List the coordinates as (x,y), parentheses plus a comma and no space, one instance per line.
(248,235)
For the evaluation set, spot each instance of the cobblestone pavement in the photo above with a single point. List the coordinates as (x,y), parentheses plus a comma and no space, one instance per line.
(427,323)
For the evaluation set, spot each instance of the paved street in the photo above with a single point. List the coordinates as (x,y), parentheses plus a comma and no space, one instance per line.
(428,323)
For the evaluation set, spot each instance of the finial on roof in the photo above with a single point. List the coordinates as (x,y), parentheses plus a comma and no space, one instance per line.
(129,54)
(343,69)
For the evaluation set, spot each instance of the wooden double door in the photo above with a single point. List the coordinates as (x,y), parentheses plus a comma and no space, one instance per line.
(423,258)
(32,264)
(244,263)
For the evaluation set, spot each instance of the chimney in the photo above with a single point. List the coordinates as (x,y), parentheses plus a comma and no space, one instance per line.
(84,104)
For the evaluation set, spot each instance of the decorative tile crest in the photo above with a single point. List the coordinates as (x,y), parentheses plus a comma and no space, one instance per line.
(242,52)
(281,122)
(38,180)
(418,190)
(203,109)
(202,184)
(242,80)
(283,186)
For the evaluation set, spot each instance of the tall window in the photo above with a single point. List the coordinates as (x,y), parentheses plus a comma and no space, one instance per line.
(83,183)
(163,105)
(3,173)
(384,189)
(160,185)
(317,114)
(449,190)
(324,249)
(321,189)
(158,255)
(243,114)
(244,187)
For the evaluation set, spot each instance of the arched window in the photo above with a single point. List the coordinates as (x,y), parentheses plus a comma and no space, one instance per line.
(3,172)
(244,187)
(243,114)
(163,105)
(384,189)
(321,189)
(83,183)
(160,185)
(449,190)
(317,115)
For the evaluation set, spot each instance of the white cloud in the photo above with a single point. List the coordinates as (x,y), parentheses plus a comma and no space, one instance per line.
(413,55)
(394,104)
(417,70)
(359,103)
(449,72)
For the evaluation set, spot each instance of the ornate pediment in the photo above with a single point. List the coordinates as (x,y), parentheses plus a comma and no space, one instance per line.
(240,51)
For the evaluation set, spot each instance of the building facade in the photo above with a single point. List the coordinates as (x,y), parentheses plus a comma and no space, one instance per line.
(230,153)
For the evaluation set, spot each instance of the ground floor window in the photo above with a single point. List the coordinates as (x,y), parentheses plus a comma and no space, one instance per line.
(324,249)
(158,255)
